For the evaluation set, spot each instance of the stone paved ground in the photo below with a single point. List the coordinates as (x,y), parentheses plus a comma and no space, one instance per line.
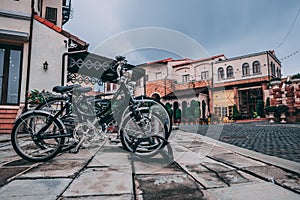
(280,140)
(190,167)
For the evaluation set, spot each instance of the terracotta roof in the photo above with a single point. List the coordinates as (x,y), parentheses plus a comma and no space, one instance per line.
(167,60)
(201,60)
(60,30)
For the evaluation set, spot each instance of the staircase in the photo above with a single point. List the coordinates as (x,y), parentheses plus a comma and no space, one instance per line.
(7,119)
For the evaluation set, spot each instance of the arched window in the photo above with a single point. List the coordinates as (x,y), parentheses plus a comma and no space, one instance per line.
(256,67)
(229,71)
(246,69)
(220,73)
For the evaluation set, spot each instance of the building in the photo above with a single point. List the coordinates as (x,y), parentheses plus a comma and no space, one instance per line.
(216,83)
(32,49)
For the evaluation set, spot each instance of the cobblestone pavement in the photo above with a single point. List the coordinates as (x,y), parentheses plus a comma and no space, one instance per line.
(280,140)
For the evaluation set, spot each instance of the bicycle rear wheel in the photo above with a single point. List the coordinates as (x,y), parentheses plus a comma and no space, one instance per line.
(144,138)
(32,145)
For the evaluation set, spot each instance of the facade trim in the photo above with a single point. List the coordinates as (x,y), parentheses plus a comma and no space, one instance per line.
(15,35)
(14,15)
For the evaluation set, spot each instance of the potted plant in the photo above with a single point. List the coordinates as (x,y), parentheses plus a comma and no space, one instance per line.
(282,110)
(271,110)
(35,97)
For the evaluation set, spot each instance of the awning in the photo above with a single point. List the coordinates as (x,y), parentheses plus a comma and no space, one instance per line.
(14,35)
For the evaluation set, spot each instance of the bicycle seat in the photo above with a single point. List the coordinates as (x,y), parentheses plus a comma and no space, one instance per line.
(64,89)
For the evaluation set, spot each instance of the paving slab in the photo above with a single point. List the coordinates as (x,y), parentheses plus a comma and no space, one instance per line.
(167,186)
(236,160)
(101,181)
(104,197)
(46,189)
(277,175)
(56,168)
(116,159)
(265,191)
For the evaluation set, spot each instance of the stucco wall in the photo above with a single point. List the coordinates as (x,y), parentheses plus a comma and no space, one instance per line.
(47,45)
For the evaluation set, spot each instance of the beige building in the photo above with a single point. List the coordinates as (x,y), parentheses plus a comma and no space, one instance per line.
(217,82)
(32,49)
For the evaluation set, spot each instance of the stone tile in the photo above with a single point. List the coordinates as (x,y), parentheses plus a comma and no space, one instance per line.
(83,154)
(46,189)
(9,172)
(217,167)
(156,168)
(167,187)
(187,158)
(233,177)
(103,159)
(265,191)
(209,179)
(104,197)
(236,160)
(56,168)
(101,181)
(275,174)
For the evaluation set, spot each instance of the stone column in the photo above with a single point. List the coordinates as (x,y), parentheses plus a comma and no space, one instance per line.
(236,96)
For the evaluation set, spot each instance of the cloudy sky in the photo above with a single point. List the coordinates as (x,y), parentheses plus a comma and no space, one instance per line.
(171,27)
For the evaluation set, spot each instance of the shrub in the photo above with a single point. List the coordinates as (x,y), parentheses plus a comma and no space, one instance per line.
(260,107)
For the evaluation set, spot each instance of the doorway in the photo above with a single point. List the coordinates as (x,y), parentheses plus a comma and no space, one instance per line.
(10,71)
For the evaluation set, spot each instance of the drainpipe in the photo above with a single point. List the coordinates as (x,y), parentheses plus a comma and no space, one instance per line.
(64,63)
(165,80)
(29,54)
(268,66)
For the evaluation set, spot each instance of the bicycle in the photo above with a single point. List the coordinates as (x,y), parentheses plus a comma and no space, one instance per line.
(39,135)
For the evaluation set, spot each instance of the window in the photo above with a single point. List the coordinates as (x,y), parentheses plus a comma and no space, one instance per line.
(10,74)
(185,78)
(229,72)
(204,75)
(278,73)
(256,67)
(220,111)
(273,69)
(246,69)
(220,73)
(51,14)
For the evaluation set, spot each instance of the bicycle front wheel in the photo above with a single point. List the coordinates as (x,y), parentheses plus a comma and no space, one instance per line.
(144,138)
(35,145)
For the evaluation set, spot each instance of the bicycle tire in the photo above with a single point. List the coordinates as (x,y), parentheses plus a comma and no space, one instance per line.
(54,105)
(133,139)
(24,140)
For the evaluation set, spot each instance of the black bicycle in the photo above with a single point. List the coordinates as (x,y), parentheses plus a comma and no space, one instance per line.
(144,125)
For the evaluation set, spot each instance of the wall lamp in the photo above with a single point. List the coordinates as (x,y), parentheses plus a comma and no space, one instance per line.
(45,65)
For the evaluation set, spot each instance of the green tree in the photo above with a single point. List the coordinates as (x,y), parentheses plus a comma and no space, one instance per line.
(235,112)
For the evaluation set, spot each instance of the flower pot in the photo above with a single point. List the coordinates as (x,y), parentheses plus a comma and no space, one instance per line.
(282,117)
(271,117)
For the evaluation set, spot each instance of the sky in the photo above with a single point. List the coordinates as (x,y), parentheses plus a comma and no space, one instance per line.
(148,30)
